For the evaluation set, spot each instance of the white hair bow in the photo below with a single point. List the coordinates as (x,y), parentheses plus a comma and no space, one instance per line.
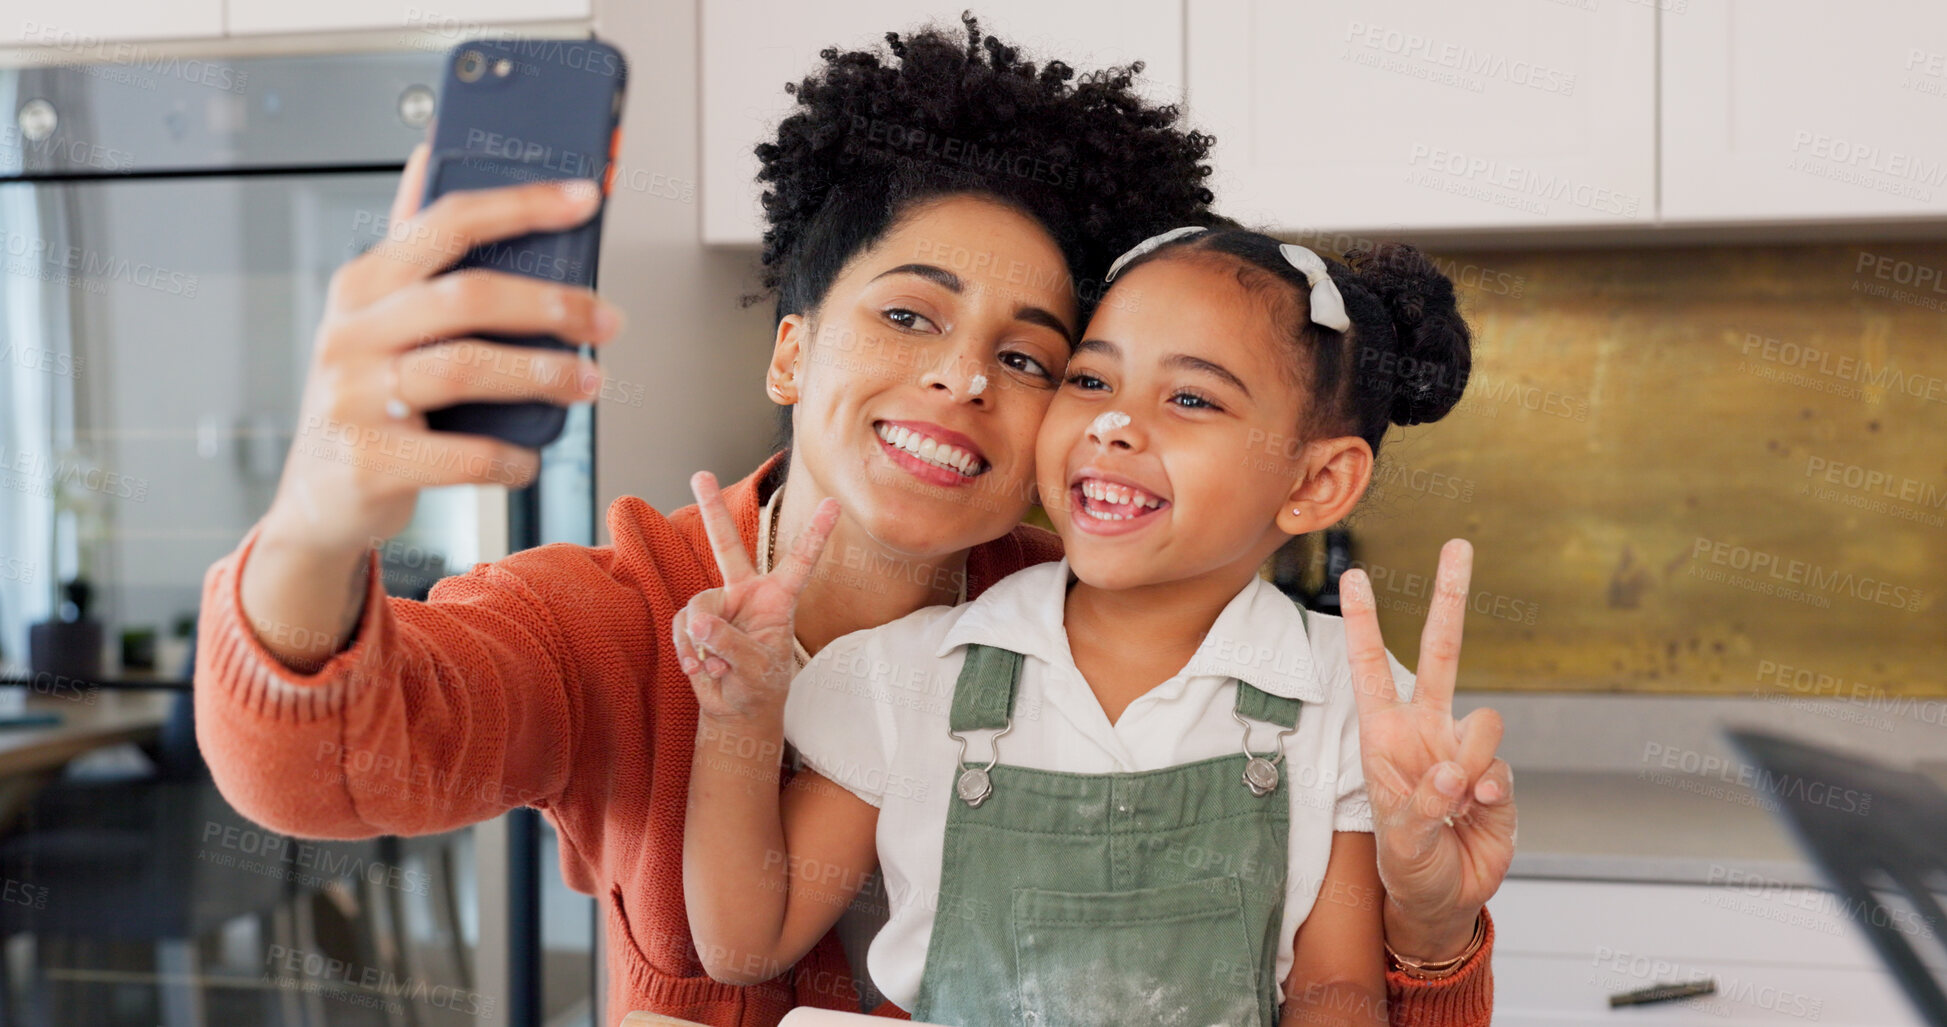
(1328,306)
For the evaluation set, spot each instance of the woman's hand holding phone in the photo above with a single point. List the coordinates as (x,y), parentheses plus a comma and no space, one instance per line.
(395,341)
(395,328)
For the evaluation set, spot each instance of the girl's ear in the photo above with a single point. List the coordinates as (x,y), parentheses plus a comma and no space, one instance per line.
(1337,472)
(781,378)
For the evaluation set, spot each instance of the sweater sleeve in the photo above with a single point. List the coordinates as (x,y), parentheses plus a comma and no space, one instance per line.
(440,714)
(1464,998)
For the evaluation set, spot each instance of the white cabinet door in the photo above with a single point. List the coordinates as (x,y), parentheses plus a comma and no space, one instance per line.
(751,48)
(1375,114)
(81,27)
(1804,110)
(456,18)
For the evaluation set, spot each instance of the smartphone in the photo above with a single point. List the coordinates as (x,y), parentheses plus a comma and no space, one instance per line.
(512,111)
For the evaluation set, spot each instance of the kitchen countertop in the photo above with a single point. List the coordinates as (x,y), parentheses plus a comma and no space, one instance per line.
(1614,826)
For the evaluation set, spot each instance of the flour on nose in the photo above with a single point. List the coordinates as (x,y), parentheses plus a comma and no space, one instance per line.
(977,385)
(1108,422)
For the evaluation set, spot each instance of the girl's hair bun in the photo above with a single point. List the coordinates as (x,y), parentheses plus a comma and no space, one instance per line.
(1435,347)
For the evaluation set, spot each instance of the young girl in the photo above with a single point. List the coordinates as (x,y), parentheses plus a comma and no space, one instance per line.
(1125,787)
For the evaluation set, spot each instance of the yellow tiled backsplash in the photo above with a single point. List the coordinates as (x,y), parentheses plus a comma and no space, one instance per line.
(1716,470)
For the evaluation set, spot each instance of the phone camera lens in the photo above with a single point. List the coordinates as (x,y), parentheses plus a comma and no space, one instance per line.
(471,65)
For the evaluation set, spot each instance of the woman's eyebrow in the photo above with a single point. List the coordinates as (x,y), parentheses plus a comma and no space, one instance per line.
(1042,316)
(951,282)
(931,272)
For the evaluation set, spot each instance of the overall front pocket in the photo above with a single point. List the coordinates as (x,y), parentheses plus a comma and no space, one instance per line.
(1180,955)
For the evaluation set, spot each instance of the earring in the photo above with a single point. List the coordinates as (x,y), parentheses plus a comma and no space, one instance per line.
(1297,511)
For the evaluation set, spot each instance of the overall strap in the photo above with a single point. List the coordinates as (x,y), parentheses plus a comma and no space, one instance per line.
(984,696)
(1258,704)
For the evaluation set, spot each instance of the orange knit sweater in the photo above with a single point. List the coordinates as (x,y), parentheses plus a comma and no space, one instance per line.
(546,679)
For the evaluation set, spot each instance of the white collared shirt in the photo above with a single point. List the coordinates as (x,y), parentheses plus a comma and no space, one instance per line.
(871,712)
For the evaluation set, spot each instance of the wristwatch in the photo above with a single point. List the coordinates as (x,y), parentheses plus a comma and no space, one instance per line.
(1425,970)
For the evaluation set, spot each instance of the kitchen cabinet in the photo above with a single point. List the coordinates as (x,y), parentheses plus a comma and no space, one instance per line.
(1374,114)
(83,28)
(76,30)
(1778,954)
(1804,110)
(751,48)
(446,17)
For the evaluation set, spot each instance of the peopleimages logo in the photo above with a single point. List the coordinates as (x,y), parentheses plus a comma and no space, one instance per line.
(34,358)
(1876,482)
(1809,684)
(1766,787)
(1829,908)
(541,156)
(1869,157)
(119,60)
(1841,371)
(923,143)
(303,970)
(1463,60)
(1488,393)
(1868,166)
(1523,183)
(1789,574)
(37,256)
(36,473)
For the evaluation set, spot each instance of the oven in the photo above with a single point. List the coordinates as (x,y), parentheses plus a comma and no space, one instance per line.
(168,227)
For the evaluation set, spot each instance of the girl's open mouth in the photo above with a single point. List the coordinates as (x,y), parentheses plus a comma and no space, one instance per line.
(1103,507)
(936,455)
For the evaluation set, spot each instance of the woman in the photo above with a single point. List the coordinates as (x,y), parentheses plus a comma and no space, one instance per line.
(904,271)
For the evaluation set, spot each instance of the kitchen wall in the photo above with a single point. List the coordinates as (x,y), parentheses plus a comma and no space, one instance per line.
(1711,469)
(689,369)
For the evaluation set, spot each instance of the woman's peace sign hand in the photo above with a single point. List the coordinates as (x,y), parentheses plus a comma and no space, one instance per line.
(1442,804)
(735,642)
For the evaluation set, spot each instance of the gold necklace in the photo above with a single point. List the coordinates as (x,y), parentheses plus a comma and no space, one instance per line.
(771,507)
(770,546)
(770,517)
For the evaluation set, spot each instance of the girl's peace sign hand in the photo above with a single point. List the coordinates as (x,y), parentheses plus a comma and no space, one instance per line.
(735,642)
(1442,804)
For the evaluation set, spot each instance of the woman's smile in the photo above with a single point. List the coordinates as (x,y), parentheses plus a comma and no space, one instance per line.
(932,453)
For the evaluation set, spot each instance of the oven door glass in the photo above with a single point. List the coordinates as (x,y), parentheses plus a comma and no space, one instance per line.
(154,338)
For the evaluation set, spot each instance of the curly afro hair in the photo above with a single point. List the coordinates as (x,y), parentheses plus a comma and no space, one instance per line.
(872,137)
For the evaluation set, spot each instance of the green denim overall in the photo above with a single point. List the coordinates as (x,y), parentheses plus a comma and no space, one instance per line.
(1068,900)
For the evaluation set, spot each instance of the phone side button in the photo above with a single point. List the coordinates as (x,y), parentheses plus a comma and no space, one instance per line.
(614,149)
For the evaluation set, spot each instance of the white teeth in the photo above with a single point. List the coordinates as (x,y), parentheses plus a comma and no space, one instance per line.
(930,450)
(1119,495)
